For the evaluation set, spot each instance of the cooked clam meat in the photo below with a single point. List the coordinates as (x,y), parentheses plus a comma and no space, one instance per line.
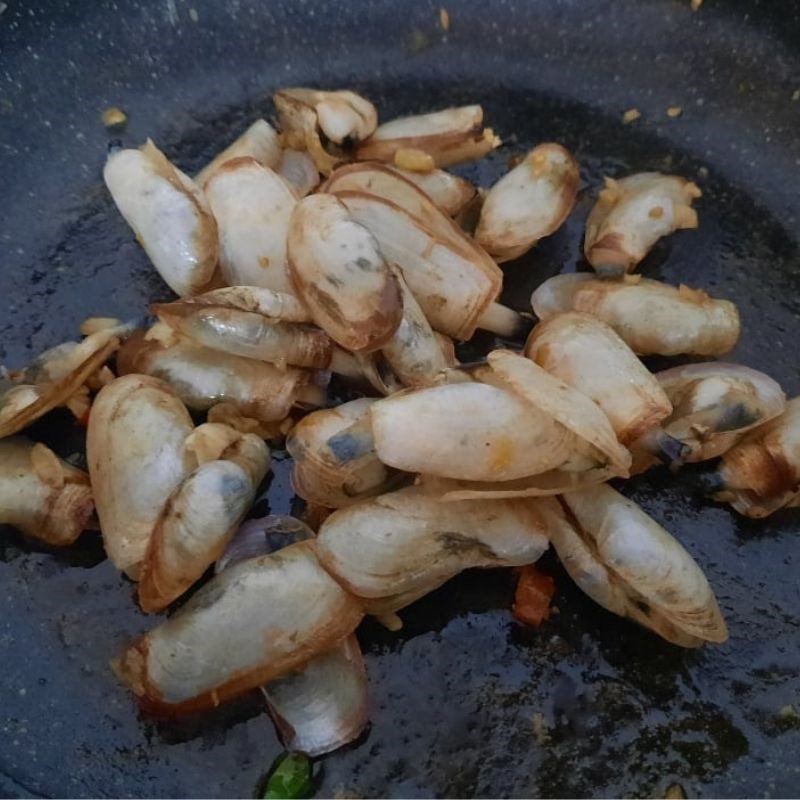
(252,206)
(135,449)
(260,142)
(169,215)
(340,273)
(343,118)
(529,202)
(514,430)
(448,137)
(42,495)
(254,622)
(407,540)
(202,377)
(625,561)
(454,281)
(632,214)
(761,473)
(252,322)
(202,513)
(653,318)
(588,355)
(335,463)
(714,405)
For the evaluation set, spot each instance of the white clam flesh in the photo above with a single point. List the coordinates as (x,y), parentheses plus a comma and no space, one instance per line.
(625,561)
(341,275)
(450,136)
(407,541)
(515,431)
(761,473)
(632,214)
(529,202)
(416,354)
(653,318)
(343,117)
(455,282)
(323,704)
(169,215)
(588,355)
(202,513)
(55,377)
(202,377)
(135,450)
(256,621)
(252,322)
(335,463)
(714,405)
(252,206)
(42,495)
(260,142)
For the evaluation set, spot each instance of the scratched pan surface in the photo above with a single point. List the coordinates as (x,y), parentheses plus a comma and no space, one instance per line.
(456,692)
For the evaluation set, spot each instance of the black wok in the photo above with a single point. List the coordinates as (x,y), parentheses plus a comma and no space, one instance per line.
(455,693)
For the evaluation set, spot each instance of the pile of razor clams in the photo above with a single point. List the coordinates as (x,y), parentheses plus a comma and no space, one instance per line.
(341,247)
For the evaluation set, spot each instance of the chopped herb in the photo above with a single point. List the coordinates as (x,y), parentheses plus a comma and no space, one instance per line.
(290,778)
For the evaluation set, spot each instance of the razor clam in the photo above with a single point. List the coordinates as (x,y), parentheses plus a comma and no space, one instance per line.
(252,205)
(528,203)
(450,193)
(449,137)
(325,704)
(632,214)
(761,473)
(340,274)
(517,432)
(625,561)
(416,354)
(203,377)
(454,281)
(335,463)
(54,378)
(260,141)
(256,621)
(589,356)
(714,405)
(345,118)
(168,214)
(298,169)
(322,705)
(135,450)
(406,541)
(252,322)
(653,318)
(43,496)
(201,515)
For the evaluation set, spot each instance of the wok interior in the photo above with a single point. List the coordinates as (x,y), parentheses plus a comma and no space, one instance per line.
(456,692)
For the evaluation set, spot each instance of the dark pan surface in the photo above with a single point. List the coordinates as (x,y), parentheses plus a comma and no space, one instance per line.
(456,692)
